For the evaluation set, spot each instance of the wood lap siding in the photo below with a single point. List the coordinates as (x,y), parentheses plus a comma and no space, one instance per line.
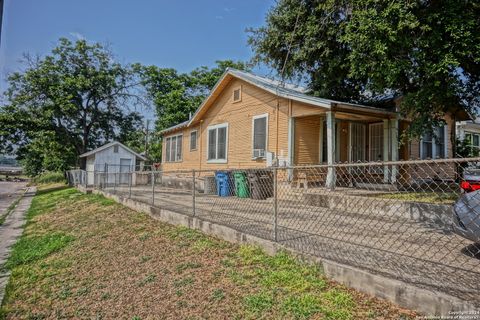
(239,118)
(307,137)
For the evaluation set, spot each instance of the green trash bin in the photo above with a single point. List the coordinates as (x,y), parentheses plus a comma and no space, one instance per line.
(241,184)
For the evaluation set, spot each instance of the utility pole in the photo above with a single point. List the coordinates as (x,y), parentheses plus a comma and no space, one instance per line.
(147,125)
(1,20)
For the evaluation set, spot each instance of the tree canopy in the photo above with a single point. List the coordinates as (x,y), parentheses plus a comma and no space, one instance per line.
(66,103)
(428,52)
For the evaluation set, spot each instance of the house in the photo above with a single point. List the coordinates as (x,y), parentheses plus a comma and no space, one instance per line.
(114,158)
(469,131)
(249,121)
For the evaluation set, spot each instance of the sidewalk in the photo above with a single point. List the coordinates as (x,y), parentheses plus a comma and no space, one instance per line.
(10,231)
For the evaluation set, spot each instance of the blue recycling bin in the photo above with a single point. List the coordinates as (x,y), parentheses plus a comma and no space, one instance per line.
(224,183)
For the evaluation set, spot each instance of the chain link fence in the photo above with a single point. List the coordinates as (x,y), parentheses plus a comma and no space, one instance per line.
(415,221)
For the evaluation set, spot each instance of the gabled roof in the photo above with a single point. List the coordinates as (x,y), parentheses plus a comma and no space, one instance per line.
(275,87)
(111,144)
(177,126)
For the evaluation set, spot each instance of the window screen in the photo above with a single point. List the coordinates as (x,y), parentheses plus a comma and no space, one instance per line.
(193,140)
(259,136)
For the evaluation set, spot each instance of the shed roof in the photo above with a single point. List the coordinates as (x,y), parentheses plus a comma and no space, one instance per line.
(111,144)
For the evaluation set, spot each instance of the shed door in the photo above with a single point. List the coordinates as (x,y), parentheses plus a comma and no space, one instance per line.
(124,170)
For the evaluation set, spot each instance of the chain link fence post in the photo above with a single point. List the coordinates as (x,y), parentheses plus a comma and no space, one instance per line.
(153,188)
(115,182)
(275,204)
(193,192)
(130,185)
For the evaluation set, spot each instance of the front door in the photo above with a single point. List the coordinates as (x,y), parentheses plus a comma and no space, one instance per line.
(376,142)
(124,170)
(357,142)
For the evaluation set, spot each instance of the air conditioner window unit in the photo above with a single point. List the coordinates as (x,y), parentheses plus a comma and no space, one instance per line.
(259,153)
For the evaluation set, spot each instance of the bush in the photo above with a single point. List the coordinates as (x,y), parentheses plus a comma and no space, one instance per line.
(50,177)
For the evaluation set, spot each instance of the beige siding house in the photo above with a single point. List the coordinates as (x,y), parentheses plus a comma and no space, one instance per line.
(249,121)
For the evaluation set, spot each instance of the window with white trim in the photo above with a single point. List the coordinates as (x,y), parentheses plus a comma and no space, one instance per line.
(173,148)
(432,146)
(217,146)
(473,140)
(259,135)
(193,140)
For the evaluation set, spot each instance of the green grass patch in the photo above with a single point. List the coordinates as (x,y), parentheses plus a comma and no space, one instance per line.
(32,248)
(426,197)
(286,287)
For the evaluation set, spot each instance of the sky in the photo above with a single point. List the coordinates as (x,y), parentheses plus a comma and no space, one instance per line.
(183,34)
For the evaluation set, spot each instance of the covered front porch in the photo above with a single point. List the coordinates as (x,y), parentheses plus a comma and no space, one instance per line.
(346,135)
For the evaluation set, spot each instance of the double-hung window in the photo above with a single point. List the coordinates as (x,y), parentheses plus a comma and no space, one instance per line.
(259,135)
(173,148)
(217,147)
(193,140)
(433,146)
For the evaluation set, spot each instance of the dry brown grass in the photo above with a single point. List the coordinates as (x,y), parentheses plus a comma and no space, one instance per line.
(125,265)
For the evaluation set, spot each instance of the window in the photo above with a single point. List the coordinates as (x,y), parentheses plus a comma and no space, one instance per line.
(260,135)
(473,140)
(173,148)
(217,143)
(237,94)
(432,146)
(115,149)
(193,140)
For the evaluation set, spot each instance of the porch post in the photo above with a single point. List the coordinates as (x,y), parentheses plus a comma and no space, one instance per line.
(394,144)
(330,149)
(386,145)
(291,128)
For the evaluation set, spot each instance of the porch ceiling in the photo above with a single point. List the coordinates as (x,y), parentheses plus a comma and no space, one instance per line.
(358,117)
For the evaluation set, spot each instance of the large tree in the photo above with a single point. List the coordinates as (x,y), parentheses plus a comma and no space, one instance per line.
(66,103)
(426,51)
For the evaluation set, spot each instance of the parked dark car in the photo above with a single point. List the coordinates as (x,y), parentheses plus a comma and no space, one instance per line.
(466,216)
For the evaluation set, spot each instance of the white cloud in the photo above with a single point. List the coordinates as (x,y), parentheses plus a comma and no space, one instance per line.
(219,17)
(226,9)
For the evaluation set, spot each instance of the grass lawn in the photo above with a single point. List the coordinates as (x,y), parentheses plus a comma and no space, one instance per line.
(425,197)
(84,256)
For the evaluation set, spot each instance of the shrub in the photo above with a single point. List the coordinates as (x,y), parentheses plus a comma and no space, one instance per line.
(50,177)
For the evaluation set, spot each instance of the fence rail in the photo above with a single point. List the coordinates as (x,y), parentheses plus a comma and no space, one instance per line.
(397,219)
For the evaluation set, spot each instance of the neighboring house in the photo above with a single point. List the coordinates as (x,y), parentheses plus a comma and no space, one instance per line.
(249,121)
(114,158)
(469,131)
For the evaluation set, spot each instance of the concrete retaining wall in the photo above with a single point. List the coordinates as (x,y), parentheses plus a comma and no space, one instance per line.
(438,215)
(405,295)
